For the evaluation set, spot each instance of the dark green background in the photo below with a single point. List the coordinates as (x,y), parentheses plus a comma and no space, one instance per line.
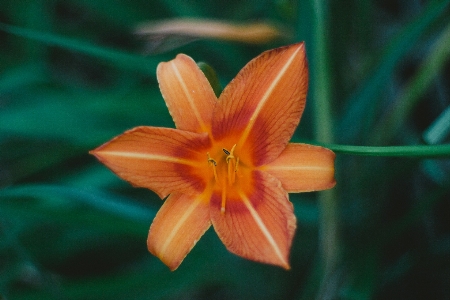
(72,76)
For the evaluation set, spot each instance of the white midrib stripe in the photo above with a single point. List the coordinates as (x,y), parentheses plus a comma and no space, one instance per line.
(265,97)
(263,228)
(147,156)
(180,223)
(293,168)
(188,96)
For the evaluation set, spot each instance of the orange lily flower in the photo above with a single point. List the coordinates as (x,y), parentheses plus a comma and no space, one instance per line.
(229,162)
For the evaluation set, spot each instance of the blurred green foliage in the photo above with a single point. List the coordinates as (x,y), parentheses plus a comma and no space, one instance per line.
(73,75)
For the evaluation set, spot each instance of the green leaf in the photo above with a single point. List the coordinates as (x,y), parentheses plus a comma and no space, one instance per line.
(402,107)
(114,57)
(360,103)
(84,118)
(68,204)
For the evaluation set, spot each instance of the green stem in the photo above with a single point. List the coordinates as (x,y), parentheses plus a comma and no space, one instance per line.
(320,85)
(405,151)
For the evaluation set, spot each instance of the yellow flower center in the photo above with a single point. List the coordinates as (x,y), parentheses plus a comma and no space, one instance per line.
(228,169)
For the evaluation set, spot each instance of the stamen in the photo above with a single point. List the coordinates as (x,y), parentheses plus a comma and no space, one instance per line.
(226,151)
(210,160)
(213,163)
(231,174)
(230,154)
(224,199)
(235,169)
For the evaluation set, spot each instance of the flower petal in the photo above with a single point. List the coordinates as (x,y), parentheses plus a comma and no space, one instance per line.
(161,159)
(262,106)
(304,168)
(177,227)
(249,32)
(188,94)
(258,224)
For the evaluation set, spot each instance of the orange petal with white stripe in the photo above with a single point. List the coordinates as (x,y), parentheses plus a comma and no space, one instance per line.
(177,227)
(262,106)
(164,160)
(258,224)
(188,94)
(304,168)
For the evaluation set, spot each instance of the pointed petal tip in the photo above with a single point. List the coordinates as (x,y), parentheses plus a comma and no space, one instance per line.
(173,268)
(314,165)
(297,45)
(286,266)
(258,223)
(97,152)
(183,56)
(282,263)
(177,227)
(178,57)
(187,93)
(172,265)
(160,159)
(299,48)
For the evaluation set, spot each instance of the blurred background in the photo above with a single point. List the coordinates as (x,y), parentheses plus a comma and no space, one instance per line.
(74,74)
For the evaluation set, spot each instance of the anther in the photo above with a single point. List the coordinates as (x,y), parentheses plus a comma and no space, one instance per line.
(210,160)
(213,164)
(231,174)
(230,154)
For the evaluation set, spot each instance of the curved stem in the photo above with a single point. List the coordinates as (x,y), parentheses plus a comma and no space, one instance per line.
(405,151)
